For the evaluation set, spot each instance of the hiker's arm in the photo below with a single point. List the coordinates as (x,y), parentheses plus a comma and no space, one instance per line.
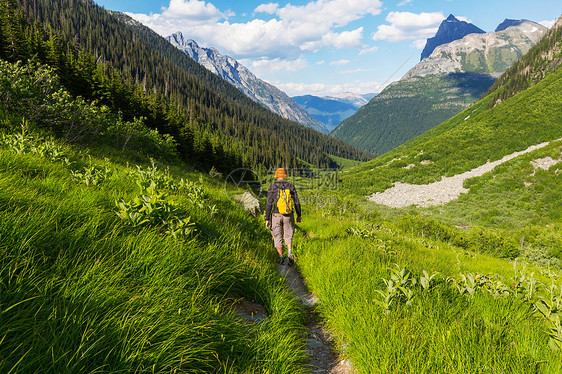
(269,204)
(297,203)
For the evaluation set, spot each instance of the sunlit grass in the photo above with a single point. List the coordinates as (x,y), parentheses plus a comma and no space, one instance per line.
(442,331)
(81,291)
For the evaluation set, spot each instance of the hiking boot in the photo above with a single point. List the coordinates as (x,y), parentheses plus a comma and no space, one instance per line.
(281,260)
(291,260)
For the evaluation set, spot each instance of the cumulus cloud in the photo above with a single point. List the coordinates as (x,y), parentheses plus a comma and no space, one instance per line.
(270,8)
(191,9)
(322,89)
(265,66)
(291,30)
(408,26)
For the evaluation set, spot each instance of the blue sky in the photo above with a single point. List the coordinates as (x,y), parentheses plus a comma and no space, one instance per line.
(324,47)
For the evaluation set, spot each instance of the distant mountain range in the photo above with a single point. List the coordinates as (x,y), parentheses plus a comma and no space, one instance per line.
(332,110)
(239,76)
(455,75)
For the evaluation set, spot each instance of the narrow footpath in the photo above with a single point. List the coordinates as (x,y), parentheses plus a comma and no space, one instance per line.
(319,346)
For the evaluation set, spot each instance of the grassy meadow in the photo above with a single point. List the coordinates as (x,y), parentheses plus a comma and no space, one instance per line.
(111,267)
(401,302)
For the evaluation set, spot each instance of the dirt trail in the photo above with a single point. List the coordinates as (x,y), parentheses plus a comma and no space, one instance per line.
(322,358)
(442,191)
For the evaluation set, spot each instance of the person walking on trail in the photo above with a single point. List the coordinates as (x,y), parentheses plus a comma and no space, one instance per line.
(282,203)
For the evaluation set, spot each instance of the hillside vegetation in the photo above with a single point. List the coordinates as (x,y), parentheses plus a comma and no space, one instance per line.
(469,139)
(135,72)
(107,266)
(409,108)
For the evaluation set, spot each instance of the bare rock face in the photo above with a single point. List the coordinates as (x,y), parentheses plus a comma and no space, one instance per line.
(249,203)
(490,53)
(239,76)
(450,29)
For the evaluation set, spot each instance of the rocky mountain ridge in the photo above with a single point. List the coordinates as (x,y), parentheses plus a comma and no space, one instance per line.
(488,53)
(453,77)
(449,30)
(239,76)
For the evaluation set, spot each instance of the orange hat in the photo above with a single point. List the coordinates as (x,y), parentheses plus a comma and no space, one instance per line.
(280,173)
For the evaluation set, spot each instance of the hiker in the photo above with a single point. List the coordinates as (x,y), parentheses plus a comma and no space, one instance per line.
(282,201)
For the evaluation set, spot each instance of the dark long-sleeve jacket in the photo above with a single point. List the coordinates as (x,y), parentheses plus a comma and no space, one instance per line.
(272,196)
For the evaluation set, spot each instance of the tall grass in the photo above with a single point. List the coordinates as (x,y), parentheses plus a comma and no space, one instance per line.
(439,330)
(82,291)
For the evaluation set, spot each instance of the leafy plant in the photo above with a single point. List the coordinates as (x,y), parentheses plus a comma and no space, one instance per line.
(91,175)
(426,280)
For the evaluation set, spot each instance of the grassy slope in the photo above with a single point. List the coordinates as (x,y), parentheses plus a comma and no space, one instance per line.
(441,331)
(82,291)
(350,251)
(469,139)
(409,108)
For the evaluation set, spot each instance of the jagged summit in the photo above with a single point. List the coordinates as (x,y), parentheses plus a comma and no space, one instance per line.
(239,76)
(508,23)
(450,29)
(488,53)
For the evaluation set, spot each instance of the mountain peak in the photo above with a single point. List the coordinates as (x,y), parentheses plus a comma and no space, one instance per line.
(450,29)
(239,76)
(508,23)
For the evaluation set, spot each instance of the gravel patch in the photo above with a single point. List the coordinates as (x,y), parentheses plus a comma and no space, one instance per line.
(444,190)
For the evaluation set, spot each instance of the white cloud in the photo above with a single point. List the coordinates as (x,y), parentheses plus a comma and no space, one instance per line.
(419,43)
(292,30)
(408,26)
(191,9)
(366,50)
(322,89)
(547,23)
(322,62)
(339,62)
(404,2)
(270,8)
(265,66)
(330,12)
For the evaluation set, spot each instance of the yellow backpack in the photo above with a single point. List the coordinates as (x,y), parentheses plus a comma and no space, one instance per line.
(285,201)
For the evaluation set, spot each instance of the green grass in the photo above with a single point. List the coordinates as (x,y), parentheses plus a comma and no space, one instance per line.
(442,331)
(468,139)
(82,291)
(345,163)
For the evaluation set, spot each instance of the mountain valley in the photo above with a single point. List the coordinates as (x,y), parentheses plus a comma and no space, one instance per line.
(125,248)
(454,76)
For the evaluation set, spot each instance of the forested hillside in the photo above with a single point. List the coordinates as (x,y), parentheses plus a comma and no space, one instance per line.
(487,131)
(453,77)
(99,57)
(408,108)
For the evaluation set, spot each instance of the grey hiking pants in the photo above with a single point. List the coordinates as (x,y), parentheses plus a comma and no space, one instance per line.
(282,228)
